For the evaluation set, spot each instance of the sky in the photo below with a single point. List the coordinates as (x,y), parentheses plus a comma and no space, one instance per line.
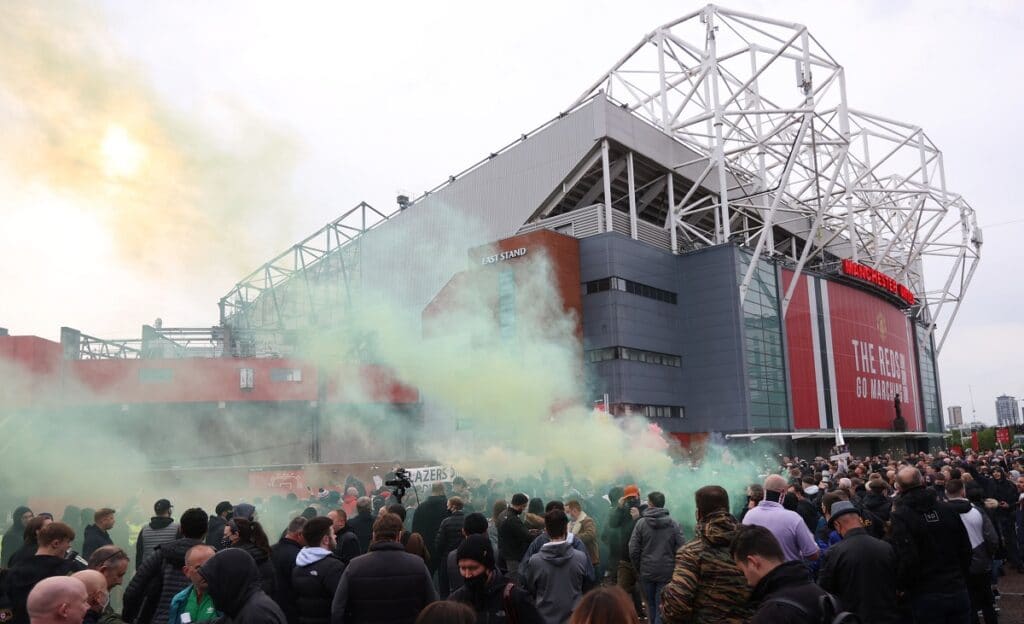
(155,153)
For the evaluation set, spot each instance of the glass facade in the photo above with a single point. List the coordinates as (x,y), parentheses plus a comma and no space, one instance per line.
(929,381)
(766,366)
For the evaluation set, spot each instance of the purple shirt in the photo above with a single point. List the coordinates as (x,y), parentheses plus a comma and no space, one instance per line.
(787,527)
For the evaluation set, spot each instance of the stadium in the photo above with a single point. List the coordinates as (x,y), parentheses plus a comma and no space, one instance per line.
(749,257)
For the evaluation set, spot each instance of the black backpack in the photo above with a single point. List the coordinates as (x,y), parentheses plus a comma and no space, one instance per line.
(831,613)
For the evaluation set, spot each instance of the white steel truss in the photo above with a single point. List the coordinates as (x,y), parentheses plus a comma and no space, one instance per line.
(799,174)
(312,278)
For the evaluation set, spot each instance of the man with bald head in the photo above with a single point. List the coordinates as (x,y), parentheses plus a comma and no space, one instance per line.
(787,526)
(96,593)
(933,552)
(194,599)
(112,562)
(58,600)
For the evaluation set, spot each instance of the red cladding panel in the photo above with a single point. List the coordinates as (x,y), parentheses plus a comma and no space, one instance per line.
(803,383)
(872,358)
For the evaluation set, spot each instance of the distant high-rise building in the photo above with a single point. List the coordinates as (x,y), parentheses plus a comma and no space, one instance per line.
(1006,411)
(956,415)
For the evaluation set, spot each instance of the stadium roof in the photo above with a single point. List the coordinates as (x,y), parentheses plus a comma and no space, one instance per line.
(719,127)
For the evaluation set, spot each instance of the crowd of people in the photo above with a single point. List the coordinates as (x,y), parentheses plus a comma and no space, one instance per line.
(916,538)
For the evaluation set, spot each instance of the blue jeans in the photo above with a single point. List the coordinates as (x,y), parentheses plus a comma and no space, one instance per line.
(952,608)
(652,594)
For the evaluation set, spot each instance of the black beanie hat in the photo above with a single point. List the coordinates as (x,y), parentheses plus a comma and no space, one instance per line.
(478,548)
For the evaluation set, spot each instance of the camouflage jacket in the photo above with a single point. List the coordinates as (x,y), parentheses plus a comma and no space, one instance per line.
(706,585)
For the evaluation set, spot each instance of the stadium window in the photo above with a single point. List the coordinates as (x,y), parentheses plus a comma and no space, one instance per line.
(631,287)
(286,374)
(634,355)
(246,378)
(601,355)
(155,375)
(662,411)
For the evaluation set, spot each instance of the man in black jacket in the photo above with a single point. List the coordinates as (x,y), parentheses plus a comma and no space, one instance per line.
(782,589)
(475,524)
(1005,493)
(96,534)
(362,523)
(233,583)
(215,528)
(861,569)
(513,536)
(50,560)
(427,520)
(317,572)
(347,545)
(933,552)
(282,558)
(484,587)
(877,501)
(449,536)
(148,596)
(385,585)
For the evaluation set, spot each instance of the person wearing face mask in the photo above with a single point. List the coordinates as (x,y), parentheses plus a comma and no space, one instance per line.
(513,536)
(50,560)
(96,594)
(486,590)
(583,526)
(112,562)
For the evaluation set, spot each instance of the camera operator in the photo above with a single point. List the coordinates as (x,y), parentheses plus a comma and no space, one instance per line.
(622,520)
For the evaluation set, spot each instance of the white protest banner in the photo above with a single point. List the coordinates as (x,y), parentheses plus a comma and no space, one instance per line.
(430,475)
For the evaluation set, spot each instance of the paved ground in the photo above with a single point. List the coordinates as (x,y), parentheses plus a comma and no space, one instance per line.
(1011,605)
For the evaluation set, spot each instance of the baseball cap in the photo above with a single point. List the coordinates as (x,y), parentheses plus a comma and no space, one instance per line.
(162,505)
(631,490)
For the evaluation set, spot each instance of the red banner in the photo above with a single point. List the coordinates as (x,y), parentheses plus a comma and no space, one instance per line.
(1003,435)
(851,353)
(957,450)
(974,441)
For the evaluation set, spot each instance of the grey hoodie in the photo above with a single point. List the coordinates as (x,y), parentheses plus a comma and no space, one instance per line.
(653,545)
(556,577)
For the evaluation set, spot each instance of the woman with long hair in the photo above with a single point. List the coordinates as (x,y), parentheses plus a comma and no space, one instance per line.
(497,509)
(252,539)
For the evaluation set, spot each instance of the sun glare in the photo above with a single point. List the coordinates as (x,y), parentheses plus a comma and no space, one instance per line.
(122,155)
